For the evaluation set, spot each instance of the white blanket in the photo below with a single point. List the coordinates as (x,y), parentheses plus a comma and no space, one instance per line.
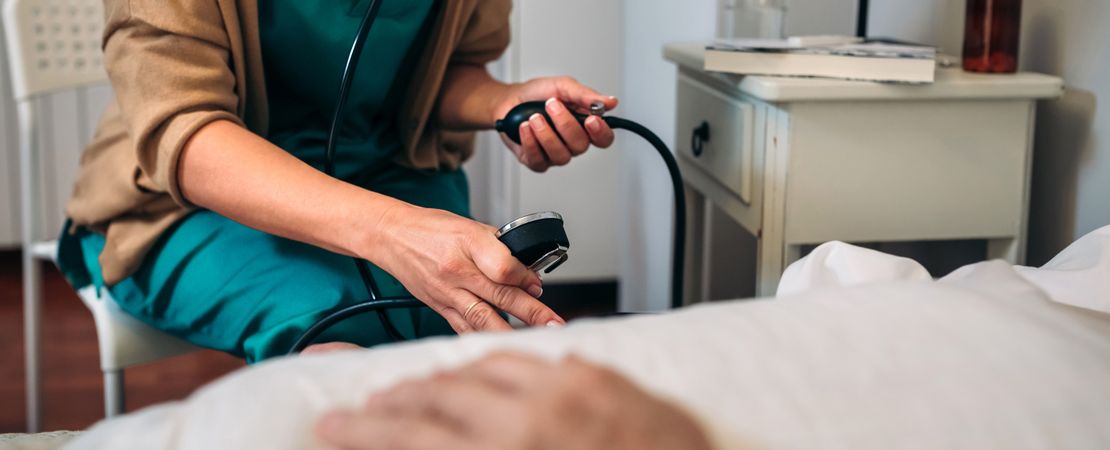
(982,359)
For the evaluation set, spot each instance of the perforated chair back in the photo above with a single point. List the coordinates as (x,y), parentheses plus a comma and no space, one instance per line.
(53,45)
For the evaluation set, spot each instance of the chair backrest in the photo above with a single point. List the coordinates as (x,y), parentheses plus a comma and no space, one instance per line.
(53,45)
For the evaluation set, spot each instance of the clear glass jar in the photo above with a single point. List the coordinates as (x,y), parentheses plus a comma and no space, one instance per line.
(752,19)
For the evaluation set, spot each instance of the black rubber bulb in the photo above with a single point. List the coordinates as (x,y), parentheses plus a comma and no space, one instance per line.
(510,125)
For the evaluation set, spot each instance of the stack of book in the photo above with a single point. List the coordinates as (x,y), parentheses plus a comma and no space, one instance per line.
(825,57)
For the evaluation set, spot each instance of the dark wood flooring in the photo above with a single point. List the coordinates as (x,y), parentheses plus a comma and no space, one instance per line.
(72,383)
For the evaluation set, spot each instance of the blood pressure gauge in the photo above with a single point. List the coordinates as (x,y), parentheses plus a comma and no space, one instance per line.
(537,240)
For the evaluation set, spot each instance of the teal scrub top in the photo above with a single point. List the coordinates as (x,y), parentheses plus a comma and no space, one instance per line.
(304,49)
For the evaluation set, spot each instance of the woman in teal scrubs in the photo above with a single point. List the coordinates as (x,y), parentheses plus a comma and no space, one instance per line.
(248,277)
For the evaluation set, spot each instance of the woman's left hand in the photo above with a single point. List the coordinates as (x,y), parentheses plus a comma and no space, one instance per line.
(543,145)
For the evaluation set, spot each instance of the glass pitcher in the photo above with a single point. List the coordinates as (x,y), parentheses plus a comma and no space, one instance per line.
(752,19)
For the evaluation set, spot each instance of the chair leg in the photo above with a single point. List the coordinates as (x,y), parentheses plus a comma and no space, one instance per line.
(32,303)
(29,196)
(113,393)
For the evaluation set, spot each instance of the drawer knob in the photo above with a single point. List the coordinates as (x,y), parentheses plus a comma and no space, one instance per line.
(700,138)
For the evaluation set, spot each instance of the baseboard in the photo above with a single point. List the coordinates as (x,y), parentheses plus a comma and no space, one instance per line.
(574,300)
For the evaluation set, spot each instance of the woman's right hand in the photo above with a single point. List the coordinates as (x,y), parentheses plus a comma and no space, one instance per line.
(459,268)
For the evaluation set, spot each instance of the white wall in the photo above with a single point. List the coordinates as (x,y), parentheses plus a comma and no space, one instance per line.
(936,22)
(649,97)
(581,38)
(550,39)
(1071,183)
(1071,171)
(821,17)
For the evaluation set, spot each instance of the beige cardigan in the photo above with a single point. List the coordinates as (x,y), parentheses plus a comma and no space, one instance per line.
(178,65)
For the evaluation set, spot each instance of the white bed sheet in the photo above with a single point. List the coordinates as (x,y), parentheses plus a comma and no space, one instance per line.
(982,359)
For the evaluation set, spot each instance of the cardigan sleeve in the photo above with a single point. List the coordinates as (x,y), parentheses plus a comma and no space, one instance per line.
(486,34)
(169,65)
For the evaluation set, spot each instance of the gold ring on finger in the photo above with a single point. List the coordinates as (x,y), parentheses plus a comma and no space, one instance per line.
(471,307)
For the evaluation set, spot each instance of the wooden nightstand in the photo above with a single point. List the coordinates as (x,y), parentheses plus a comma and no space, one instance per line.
(804,161)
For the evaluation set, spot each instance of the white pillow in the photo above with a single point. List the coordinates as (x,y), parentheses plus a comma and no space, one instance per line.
(836,264)
(1079,275)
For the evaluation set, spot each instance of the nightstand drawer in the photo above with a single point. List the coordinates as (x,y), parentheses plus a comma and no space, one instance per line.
(716,133)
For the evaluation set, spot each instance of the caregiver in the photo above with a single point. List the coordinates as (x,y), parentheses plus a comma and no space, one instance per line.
(201,205)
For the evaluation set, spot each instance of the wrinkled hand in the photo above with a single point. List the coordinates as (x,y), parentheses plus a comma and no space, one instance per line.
(511,401)
(542,145)
(450,262)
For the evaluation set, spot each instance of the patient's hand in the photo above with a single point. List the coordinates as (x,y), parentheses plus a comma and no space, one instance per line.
(511,401)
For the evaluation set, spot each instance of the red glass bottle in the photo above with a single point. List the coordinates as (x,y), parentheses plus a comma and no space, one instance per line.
(992,35)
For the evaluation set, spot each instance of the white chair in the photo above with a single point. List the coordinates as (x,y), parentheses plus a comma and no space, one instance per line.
(54,46)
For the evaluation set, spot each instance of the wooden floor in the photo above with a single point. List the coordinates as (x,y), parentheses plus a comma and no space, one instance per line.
(72,381)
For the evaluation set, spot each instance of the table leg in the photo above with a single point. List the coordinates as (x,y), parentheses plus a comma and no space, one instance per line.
(769,268)
(791,255)
(772,233)
(1007,249)
(706,250)
(695,246)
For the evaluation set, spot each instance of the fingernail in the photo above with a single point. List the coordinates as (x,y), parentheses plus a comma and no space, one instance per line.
(550,101)
(593,123)
(535,290)
(538,122)
(554,107)
(611,97)
(555,324)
